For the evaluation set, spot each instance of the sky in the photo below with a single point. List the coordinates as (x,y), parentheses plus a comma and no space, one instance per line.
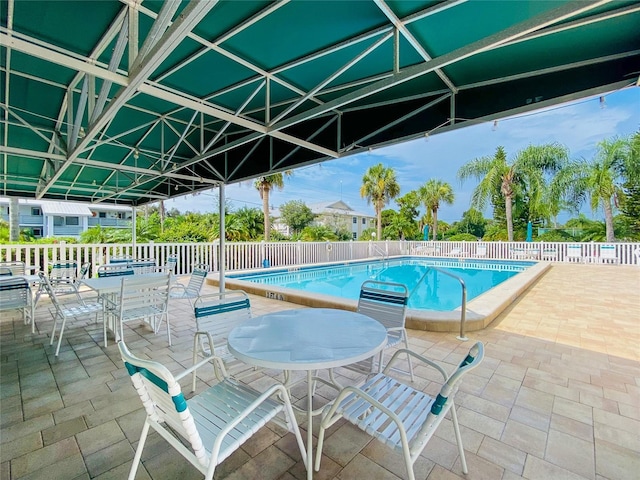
(578,125)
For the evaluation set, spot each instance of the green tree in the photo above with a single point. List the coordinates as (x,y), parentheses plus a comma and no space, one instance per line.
(409,204)
(433,193)
(296,214)
(472,222)
(379,186)
(596,179)
(500,179)
(264,185)
(630,201)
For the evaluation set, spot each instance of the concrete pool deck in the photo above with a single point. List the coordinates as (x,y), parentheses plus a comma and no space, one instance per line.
(480,312)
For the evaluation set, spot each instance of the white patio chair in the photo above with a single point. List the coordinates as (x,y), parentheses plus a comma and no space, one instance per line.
(142,266)
(115,270)
(608,254)
(387,303)
(399,416)
(62,280)
(13,268)
(62,312)
(574,253)
(15,294)
(455,252)
(142,297)
(481,251)
(191,291)
(213,424)
(170,265)
(216,315)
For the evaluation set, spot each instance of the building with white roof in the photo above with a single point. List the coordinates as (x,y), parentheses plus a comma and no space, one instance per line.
(335,215)
(48,218)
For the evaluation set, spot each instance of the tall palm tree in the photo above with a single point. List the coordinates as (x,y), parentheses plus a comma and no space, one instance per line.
(495,174)
(264,185)
(597,179)
(379,186)
(432,194)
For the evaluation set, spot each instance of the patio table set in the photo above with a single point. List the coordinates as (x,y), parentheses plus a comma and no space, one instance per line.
(217,421)
(125,291)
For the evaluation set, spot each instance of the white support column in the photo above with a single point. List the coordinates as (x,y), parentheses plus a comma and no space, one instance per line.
(222,257)
(133,231)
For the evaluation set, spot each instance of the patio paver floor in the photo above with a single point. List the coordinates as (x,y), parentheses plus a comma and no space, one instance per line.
(558,396)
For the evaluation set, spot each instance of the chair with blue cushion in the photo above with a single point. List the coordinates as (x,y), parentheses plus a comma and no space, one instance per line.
(398,415)
(207,428)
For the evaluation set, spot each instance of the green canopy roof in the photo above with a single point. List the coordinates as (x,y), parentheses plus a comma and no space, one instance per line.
(138,101)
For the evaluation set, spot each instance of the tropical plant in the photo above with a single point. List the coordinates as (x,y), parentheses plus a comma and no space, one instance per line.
(432,194)
(317,233)
(379,186)
(251,223)
(264,185)
(597,179)
(525,175)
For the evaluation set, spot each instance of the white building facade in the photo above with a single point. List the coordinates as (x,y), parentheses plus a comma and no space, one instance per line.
(47,218)
(338,216)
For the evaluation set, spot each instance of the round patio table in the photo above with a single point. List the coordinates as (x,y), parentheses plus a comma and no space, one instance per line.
(307,339)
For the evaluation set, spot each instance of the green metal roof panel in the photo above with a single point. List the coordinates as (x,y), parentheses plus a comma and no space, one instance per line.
(209,80)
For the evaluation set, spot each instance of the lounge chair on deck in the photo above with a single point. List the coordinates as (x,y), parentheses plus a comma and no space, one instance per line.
(574,253)
(608,254)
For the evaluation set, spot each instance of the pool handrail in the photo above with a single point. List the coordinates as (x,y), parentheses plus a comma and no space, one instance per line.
(463,304)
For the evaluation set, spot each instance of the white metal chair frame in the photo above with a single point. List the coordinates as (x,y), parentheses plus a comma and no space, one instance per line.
(15,294)
(387,303)
(216,315)
(62,312)
(141,298)
(399,416)
(214,423)
(192,289)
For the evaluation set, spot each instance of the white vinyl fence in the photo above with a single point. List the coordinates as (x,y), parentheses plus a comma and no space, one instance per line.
(252,255)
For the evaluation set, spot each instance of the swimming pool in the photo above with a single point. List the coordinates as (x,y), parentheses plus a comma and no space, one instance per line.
(480,312)
(429,289)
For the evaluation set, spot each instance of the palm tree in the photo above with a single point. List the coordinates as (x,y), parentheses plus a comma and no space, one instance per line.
(264,185)
(432,194)
(597,179)
(379,185)
(528,168)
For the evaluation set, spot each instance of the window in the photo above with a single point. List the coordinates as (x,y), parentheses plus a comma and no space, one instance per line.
(355,235)
(355,219)
(74,221)
(35,211)
(58,221)
(102,214)
(364,221)
(37,232)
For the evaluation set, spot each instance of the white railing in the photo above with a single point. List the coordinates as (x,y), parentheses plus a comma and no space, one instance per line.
(252,255)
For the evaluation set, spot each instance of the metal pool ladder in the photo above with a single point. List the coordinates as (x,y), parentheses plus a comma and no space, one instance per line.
(463,304)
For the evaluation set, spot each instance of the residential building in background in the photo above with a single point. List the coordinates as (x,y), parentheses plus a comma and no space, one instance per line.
(47,218)
(335,215)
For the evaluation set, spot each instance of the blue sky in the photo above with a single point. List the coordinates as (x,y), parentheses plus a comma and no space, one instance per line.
(578,126)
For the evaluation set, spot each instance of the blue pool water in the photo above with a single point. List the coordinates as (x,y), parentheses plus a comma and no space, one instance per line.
(428,288)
